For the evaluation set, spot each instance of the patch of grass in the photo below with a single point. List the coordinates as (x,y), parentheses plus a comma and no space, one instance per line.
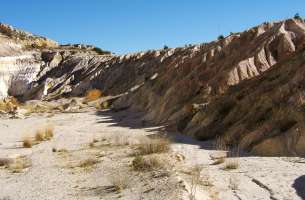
(61,150)
(146,164)
(91,144)
(221,143)
(18,164)
(151,146)
(9,104)
(45,133)
(49,132)
(93,94)
(27,142)
(39,136)
(88,163)
(234,183)
(119,181)
(231,164)
(4,162)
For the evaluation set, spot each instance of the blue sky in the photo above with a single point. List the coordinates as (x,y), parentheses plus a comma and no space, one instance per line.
(123,26)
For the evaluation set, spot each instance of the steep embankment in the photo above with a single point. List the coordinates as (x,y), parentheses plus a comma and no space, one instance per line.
(201,90)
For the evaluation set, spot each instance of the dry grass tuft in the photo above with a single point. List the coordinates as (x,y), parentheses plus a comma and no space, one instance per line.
(91,144)
(9,104)
(195,181)
(49,132)
(39,136)
(93,94)
(62,151)
(88,163)
(198,178)
(219,161)
(119,181)
(159,145)
(146,164)
(45,133)
(220,143)
(4,162)
(234,183)
(27,142)
(231,164)
(18,164)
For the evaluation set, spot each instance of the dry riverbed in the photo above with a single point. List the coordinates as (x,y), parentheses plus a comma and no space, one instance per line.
(99,155)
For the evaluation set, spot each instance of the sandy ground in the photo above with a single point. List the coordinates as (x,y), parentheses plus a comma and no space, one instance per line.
(57,175)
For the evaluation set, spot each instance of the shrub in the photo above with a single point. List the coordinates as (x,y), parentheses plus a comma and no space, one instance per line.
(150,163)
(4,161)
(9,104)
(19,163)
(165,47)
(119,180)
(231,164)
(27,142)
(297,16)
(49,132)
(160,145)
(93,95)
(88,163)
(100,51)
(39,136)
(45,133)
(221,37)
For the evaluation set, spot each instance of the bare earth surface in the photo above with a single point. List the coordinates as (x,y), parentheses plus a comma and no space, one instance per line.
(58,175)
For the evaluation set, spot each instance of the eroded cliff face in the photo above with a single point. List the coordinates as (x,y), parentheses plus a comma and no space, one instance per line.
(197,89)
(17,73)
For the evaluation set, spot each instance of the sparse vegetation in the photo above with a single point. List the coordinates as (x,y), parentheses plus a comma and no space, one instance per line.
(198,178)
(221,37)
(4,161)
(297,16)
(49,132)
(195,181)
(45,133)
(88,163)
(220,143)
(233,183)
(39,136)
(9,104)
(151,146)
(100,51)
(141,163)
(91,144)
(18,164)
(119,180)
(231,164)
(27,142)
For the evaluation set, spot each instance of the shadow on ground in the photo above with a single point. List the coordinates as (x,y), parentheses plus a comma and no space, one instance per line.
(135,120)
(299,186)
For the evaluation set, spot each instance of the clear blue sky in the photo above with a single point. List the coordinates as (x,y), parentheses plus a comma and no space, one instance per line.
(123,26)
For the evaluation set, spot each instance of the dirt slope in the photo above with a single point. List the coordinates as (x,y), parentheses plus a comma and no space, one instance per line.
(191,89)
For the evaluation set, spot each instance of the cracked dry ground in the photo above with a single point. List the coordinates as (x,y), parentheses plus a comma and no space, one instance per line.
(91,154)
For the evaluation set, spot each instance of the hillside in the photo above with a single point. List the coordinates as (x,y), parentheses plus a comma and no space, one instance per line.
(219,121)
(245,88)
